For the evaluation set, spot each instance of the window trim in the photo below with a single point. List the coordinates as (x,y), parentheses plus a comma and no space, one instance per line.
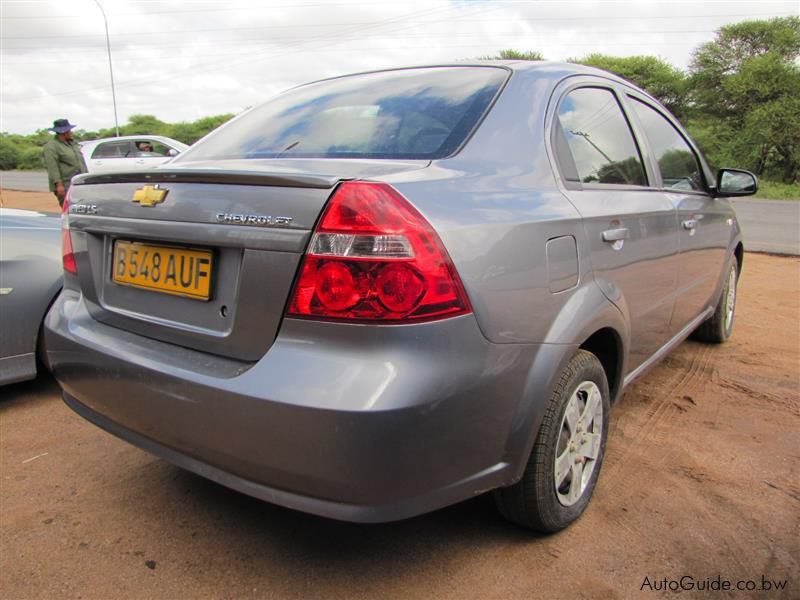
(587,81)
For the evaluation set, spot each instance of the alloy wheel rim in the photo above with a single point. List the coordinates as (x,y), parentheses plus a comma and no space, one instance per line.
(579,442)
(730,299)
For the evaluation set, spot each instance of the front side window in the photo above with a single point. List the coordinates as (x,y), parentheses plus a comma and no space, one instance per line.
(599,138)
(676,161)
(411,113)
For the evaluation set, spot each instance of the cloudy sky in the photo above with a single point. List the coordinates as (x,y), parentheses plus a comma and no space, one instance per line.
(181,60)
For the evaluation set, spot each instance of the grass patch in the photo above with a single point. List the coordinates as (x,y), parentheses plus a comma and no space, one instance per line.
(772,190)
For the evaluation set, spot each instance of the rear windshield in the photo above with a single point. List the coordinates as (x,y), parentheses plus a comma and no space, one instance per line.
(413,114)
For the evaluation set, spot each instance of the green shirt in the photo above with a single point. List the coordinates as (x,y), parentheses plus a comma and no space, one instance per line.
(63,161)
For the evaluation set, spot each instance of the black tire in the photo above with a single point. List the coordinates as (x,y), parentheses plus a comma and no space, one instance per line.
(534,502)
(717,328)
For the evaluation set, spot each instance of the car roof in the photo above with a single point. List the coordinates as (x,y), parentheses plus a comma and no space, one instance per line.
(551,70)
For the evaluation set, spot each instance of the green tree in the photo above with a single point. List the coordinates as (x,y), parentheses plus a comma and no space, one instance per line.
(659,78)
(715,64)
(189,133)
(745,88)
(510,54)
(772,139)
(144,124)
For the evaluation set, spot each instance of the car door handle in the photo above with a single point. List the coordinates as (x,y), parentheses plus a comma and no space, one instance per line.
(615,235)
(689,223)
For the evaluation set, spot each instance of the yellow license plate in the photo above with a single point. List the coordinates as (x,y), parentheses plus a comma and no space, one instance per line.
(177,271)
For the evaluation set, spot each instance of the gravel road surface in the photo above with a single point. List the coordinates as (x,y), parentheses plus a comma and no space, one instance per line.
(701,480)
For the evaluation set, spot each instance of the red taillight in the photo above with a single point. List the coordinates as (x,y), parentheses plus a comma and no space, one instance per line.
(67,256)
(374,257)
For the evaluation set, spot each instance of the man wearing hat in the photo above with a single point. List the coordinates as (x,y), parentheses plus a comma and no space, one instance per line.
(63,158)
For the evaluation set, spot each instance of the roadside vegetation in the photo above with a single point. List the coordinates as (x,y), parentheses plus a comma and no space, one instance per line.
(739,99)
(771,190)
(25,151)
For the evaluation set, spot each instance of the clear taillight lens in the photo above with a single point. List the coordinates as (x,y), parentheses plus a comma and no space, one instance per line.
(374,257)
(67,256)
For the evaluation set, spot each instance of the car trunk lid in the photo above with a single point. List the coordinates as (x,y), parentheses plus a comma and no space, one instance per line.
(238,233)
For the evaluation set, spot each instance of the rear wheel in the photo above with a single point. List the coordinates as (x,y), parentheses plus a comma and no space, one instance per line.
(719,326)
(565,462)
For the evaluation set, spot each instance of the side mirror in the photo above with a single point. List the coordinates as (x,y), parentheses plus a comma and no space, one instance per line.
(735,182)
(173,152)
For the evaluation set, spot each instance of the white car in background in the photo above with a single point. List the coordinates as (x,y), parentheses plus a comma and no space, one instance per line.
(131,152)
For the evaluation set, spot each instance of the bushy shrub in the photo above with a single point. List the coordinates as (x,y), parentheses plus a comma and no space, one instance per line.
(31,158)
(9,154)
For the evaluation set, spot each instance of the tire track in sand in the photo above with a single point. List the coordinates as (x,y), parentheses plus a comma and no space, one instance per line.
(646,451)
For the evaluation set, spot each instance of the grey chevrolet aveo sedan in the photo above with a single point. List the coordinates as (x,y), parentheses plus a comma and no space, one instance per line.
(380,294)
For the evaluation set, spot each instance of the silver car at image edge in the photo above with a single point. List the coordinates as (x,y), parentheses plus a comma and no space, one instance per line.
(30,279)
(380,294)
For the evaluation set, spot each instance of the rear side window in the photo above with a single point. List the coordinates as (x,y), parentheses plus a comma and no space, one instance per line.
(676,161)
(113,150)
(412,113)
(599,138)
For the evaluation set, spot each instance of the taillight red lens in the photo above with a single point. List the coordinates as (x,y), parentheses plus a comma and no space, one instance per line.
(374,257)
(67,256)
(335,286)
(399,287)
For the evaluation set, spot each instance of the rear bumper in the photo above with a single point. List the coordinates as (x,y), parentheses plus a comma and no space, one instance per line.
(333,509)
(350,422)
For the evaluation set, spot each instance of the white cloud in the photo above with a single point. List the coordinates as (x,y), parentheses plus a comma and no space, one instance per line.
(181,60)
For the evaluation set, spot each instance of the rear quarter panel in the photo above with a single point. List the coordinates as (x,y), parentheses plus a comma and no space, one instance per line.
(496,204)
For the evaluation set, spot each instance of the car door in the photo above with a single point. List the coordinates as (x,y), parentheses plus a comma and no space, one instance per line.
(111,156)
(705,229)
(631,228)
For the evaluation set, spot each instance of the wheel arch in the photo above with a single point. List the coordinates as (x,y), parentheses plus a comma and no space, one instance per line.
(603,331)
(38,345)
(738,252)
(606,344)
(738,255)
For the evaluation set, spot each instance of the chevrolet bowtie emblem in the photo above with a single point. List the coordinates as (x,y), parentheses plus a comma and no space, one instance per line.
(149,195)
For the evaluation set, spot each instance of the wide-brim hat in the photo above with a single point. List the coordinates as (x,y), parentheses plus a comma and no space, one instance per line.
(62,126)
